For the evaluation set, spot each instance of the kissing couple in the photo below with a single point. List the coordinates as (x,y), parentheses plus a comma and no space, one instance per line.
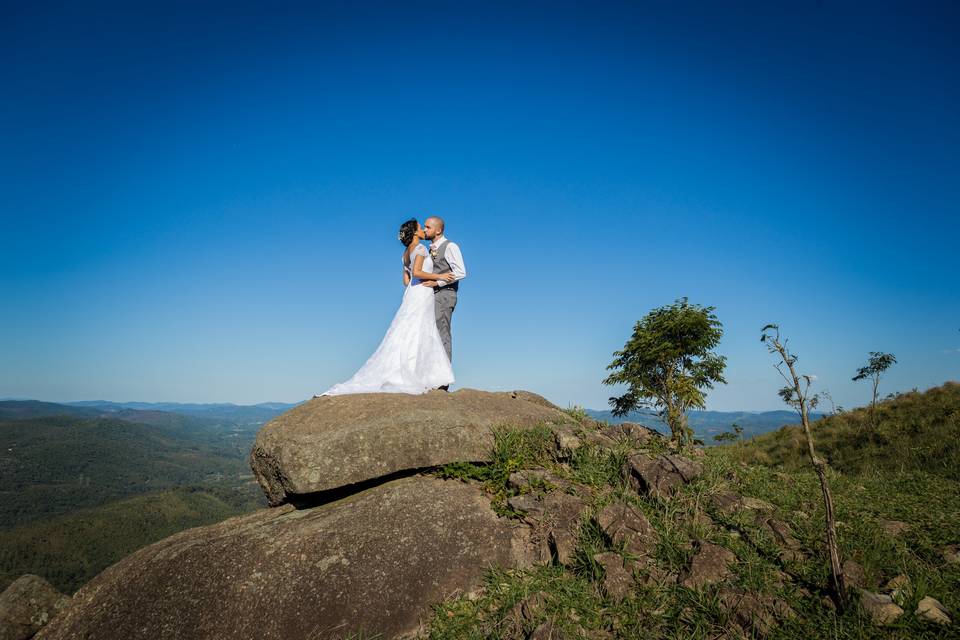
(415,354)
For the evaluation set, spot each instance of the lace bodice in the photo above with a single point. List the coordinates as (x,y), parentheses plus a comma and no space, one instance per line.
(419,250)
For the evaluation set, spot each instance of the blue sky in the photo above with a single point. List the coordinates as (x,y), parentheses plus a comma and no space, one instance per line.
(202,204)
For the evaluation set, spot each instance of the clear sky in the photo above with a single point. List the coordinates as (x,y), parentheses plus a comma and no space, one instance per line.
(202,204)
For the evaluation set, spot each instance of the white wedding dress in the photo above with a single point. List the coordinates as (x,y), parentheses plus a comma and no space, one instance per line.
(411,357)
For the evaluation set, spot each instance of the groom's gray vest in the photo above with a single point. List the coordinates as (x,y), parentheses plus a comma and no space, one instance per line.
(440,265)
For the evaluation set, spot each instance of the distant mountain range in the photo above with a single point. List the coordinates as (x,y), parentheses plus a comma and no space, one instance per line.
(23,409)
(217,411)
(11,409)
(707,424)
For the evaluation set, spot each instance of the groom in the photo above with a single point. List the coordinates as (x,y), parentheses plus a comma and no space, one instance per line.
(446,257)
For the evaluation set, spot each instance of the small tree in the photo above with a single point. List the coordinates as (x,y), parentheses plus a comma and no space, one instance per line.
(726,436)
(797,395)
(876,365)
(730,436)
(667,363)
(835,409)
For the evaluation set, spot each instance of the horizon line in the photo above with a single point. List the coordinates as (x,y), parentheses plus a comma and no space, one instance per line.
(256,404)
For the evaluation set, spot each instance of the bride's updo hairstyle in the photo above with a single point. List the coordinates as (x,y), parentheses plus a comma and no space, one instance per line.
(407,230)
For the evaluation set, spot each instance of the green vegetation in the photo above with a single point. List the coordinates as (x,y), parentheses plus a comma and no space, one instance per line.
(80,492)
(915,432)
(730,436)
(667,363)
(575,602)
(576,412)
(513,449)
(876,366)
(69,550)
(54,465)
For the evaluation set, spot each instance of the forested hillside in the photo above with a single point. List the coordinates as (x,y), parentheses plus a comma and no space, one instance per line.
(69,550)
(55,464)
(81,487)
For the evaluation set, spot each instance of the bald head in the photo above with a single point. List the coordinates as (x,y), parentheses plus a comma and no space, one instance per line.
(433,227)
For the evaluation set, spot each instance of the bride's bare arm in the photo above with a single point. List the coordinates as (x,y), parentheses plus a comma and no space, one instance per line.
(423,275)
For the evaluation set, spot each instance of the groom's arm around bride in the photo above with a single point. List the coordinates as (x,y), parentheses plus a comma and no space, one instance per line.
(455,261)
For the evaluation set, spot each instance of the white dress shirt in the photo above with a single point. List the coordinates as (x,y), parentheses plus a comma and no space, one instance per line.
(454,259)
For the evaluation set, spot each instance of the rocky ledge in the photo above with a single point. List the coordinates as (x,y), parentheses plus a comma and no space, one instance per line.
(333,442)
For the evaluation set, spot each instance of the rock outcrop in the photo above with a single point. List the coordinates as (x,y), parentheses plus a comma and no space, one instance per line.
(709,565)
(756,614)
(331,442)
(951,554)
(931,610)
(555,521)
(660,475)
(374,563)
(855,575)
(894,527)
(617,581)
(28,604)
(626,525)
(880,607)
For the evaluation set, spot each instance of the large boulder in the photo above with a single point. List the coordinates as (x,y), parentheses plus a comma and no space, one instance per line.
(371,563)
(27,605)
(334,441)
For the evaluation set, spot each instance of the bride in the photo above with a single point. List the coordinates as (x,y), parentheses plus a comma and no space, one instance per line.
(411,357)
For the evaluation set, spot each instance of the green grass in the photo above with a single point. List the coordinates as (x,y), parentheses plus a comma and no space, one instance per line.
(598,468)
(576,603)
(513,450)
(928,502)
(913,431)
(576,412)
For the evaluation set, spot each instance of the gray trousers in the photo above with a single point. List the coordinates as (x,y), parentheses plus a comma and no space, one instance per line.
(444,301)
